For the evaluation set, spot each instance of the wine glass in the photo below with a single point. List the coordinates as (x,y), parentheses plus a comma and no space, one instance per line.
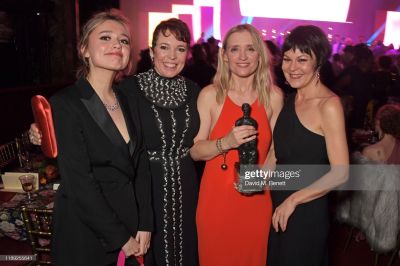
(28,185)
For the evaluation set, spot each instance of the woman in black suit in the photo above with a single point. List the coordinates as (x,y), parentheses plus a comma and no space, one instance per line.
(170,121)
(103,204)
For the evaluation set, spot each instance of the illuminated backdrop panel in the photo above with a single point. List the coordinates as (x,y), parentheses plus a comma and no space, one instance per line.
(392,32)
(317,10)
(265,15)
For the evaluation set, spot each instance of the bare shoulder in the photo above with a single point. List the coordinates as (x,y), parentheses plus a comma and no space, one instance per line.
(207,99)
(331,105)
(276,93)
(276,98)
(373,152)
(209,92)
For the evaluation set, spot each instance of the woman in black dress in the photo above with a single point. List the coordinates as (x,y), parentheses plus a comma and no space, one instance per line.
(309,133)
(168,112)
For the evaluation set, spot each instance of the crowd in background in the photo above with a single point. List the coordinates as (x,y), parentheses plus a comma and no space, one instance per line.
(364,76)
(163,103)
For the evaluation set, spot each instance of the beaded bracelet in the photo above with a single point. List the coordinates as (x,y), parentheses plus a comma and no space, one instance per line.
(224,166)
(219,146)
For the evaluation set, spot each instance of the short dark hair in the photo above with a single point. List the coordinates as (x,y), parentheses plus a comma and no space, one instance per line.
(309,39)
(389,119)
(175,26)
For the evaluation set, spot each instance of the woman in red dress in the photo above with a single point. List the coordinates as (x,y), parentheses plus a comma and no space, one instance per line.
(233,228)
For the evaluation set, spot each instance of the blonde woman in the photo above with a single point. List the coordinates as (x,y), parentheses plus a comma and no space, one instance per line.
(233,228)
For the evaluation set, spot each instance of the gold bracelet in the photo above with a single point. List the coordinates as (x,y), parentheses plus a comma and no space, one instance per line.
(224,166)
(219,146)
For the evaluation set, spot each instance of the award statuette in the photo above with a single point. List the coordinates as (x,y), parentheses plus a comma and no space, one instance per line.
(248,156)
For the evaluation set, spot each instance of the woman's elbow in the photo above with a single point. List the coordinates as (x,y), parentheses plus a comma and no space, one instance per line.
(194,153)
(195,157)
(342,174)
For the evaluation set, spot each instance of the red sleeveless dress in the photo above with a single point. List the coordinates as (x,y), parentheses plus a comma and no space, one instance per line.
(232,228)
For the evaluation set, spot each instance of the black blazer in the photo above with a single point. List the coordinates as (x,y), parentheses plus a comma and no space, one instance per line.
(105,192)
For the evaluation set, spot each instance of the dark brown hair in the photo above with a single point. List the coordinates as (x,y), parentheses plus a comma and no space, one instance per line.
(175,26)
(389,119)
(309,39)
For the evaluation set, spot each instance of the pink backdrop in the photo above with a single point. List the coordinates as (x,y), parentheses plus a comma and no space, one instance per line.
(361,14)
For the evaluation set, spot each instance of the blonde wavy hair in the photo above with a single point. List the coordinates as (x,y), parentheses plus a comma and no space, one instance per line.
(97,19)
(263,79)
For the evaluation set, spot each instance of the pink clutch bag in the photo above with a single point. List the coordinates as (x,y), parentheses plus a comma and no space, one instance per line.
(42,113)
(121,259)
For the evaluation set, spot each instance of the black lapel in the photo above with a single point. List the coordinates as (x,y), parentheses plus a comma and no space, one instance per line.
(130,123)
(99,114)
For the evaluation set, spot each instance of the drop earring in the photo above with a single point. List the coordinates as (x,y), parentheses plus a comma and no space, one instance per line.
(317,75)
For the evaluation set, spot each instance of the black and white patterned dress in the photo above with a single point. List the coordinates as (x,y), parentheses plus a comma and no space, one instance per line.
(170,121)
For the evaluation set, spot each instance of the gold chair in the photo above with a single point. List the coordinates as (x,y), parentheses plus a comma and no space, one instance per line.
(13,150)
(8,153)
(38,226)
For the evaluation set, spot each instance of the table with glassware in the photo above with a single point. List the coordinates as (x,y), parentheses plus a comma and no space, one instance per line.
(11,223)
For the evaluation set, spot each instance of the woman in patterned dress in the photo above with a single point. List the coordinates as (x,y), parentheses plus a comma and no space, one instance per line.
(168,111)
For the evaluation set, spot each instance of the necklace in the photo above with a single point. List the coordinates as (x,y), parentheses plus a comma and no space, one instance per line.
(112,107)
(170,93)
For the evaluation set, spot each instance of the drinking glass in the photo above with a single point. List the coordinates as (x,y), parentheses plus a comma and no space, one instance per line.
(28,185)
